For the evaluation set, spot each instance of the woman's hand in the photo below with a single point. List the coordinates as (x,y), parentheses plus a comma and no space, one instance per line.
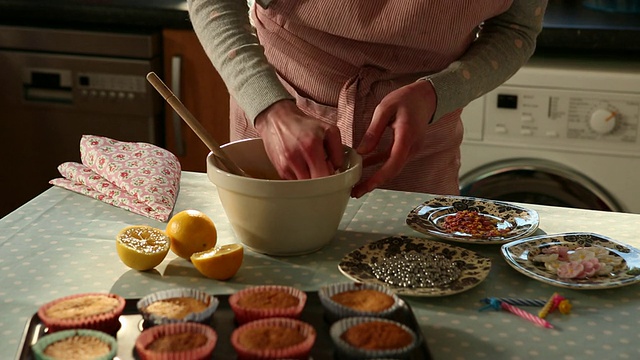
(299,146)
(407,111)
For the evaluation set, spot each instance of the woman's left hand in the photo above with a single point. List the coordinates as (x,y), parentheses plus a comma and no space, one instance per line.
(407,111)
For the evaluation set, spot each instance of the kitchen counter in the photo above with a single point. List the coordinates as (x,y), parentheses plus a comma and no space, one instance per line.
(568,25)
(61,243)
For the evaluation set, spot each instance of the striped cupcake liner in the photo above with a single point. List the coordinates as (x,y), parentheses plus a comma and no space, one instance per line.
(204,316)
(336,311)
(297,351)
(147,337)
(38,349)
(348,351)
(245,314)
(107,322)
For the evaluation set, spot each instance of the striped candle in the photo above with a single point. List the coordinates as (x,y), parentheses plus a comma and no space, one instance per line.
(526,315)
(516,301)
(549,306)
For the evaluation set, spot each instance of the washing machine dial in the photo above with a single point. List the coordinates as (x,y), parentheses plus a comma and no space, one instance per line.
(603,121)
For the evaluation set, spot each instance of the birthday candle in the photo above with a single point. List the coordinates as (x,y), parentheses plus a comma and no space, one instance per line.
(516,301)
(564,306)
(526,315)
(548,306)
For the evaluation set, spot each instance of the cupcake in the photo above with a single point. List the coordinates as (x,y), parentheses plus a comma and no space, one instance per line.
(177,305)
(372,338)
(95,311)
(267,301)
(75,344)
(274,338)
(187,340)
(358,299)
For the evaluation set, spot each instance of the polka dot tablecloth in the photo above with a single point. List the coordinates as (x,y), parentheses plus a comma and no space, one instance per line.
(61,243)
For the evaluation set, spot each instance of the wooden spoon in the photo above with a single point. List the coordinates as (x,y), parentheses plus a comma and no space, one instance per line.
(194,124)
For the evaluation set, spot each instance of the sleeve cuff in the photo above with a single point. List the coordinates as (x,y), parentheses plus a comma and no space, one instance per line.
(259,93)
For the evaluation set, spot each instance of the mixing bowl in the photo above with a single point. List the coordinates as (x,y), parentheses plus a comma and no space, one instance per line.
(281,217)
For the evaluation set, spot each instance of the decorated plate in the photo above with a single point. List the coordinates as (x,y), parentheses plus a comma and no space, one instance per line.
(452,217)
(416,267)
(583,261)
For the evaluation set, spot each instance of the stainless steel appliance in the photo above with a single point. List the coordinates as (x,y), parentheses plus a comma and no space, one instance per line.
(562,131)
(57,85)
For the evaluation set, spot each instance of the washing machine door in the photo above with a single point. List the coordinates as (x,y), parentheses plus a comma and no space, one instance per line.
(537,181)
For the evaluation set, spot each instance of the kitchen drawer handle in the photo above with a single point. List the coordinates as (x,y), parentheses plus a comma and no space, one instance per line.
(176,71)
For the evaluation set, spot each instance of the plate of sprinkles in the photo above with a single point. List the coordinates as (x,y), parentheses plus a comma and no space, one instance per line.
(415,266)
(575,260)
(473,220)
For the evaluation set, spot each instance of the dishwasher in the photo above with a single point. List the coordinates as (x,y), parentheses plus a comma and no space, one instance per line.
(59,84)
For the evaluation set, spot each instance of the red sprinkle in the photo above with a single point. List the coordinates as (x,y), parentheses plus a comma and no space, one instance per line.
(472,223)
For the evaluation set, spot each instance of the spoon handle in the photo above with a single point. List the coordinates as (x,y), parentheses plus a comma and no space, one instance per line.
(193,123)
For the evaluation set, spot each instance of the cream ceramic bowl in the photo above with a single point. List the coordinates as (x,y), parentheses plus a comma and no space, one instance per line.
(281,217)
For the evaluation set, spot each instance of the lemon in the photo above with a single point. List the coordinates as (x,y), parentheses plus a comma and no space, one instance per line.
(142,247)
(191,231)
(220,263)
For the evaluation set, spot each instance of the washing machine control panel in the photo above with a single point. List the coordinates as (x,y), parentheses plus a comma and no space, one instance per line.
(574,119)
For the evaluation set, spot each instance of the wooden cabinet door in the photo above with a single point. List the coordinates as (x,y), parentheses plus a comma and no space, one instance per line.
(194,80)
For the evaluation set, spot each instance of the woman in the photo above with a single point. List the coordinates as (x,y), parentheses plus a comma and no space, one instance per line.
(388,77)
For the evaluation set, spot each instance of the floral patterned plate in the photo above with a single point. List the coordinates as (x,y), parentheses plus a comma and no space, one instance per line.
(471,268)
(520,255)
(516,222)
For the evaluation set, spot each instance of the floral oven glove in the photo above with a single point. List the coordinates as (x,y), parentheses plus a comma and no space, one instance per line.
(139,177)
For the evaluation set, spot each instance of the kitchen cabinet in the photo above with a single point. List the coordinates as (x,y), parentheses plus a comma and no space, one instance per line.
(194,80)
(58,84)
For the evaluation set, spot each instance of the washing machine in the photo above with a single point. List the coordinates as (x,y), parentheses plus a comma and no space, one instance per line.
(561,132)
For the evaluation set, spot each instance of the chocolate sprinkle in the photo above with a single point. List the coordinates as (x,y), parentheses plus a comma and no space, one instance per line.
(416,270)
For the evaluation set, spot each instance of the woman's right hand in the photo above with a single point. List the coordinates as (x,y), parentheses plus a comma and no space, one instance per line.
(299,146)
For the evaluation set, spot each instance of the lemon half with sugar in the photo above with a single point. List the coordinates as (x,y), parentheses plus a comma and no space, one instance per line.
(142,247)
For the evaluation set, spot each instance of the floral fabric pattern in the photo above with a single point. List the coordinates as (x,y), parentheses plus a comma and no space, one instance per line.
(139,177)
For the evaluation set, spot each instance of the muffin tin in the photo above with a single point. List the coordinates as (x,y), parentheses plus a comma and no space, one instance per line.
(223,322)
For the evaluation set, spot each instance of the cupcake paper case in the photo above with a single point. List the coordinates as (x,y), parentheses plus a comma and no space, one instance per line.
(39,347)
(204,316)
(299,350)
(204,351)
(348,351)
(245,314)
(97,311)
(337,311)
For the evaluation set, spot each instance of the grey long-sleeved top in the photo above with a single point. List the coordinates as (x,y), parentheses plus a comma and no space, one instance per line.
(253,82)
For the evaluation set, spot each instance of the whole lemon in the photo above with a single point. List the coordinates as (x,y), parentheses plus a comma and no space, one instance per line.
(142,247)
(191,231)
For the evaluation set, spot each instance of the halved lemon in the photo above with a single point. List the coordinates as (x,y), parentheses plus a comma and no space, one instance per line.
(142,247)
(220,263)
(191,231)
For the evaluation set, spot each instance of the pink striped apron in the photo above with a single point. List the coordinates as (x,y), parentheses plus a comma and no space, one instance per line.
(340,58)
